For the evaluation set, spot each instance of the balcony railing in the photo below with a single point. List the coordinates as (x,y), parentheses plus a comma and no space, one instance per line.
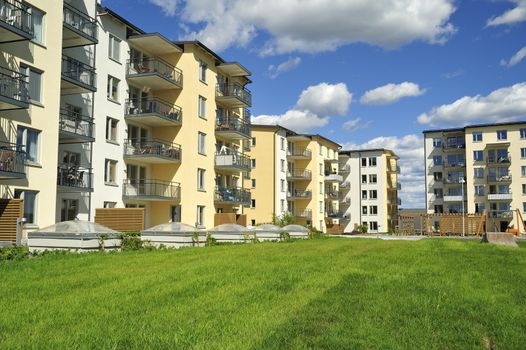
(453,197)
(13,90)
(232,124)
(499,178)
(334,195)
(454,147)
(147,189)
(297,194)
(502,196)
(75,124)
(335,213)
(301,174)
(225,195)
(15,15)
(74,177)
(152,149)
(300,153)
(77,72)
(501,214)
(344,168)
(232,160)
(331,176)
(12,161)
(455,164)
(396,168)
(504,160)
(236,91)
(345,201)
(80,22)
(154,66)
(303,213)
(153,106)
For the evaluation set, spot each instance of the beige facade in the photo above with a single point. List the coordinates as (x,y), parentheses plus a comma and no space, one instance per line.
(478,168)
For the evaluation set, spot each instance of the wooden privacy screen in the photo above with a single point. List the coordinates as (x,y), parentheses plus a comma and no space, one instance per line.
(121,219)
(230,218)
(10,211)
(447,224)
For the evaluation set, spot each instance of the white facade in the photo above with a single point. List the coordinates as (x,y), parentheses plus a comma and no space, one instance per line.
(281,172)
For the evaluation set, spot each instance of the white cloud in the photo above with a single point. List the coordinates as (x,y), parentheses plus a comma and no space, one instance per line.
(391,93)
(314,108)
(410,149)
(314,26)
(505,104)
(515,15)
(355,124)
(291,63)
(518,57)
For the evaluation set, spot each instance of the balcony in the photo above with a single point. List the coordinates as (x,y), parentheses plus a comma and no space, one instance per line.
(500,214)
(15,21)
(333,177)
(452,181)
(232,127)
(500,178)
(298,194)
(232,196)
(299,174)
(11,162)
(500,196)
(303,214)
(499,161)
(77,77)
(151,190)
(152,151)
(300,153)
(152,111)
(232,161)
(78,28)
(454,148)
(454,198)
(345,201)
(345,186)
(154,73)
(73,178)
(344,168)
(233,95)
(333,195)
(75,128)
(454,165)
(396,168)
(13,90)
(398,186)
(335,213)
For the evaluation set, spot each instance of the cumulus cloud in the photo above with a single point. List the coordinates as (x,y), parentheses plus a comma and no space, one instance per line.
(314,26)
(355,124)
(518,57)
(505,104)
(291,63)
(314,108)
(391,93)
(515,15)
(410,149)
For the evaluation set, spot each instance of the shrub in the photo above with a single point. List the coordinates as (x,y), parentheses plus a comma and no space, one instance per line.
(313,233)
(14,253)
(363,228)
(283,220)
(284,236)
(131,241)
(210,240)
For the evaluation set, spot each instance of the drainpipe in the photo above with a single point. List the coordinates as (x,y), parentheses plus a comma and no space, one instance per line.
(425,172)
(91,143)
(360,188)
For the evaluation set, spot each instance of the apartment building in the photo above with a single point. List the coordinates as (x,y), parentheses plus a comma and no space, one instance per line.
(477,168)
(290,173)
(369,191)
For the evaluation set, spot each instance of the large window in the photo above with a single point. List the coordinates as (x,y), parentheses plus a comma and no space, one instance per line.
(111,129)
(201,179)
(34,81)
(202,107)
(110,171)
(114,49)
(201,143)
(27,140)
(30,201)
(112,90)
(202,71)
(37,17)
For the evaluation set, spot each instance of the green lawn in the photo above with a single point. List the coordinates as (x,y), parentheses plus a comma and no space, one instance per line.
(324,293)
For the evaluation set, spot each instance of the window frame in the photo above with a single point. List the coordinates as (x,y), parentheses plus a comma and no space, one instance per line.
(112,85)
(110,172)
(201,143)
(201,183)
(112,40)
(201,107)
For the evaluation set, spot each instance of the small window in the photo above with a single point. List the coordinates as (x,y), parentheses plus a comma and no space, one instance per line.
(364,162)
(254,183)
(502,134)
(523,152)
(439,209)
(34,81)
(437,160)
(282,140)
(253,141)
(373,194)
(524,207)
(321,187)
(30,204)
(373,178)
(253,222)
(364,179)
(201,179)
(282,185)
(372,161)
(364,210)
(373,226)
(282,205)
(364,194)
(479,190)
(282,165)
(477,137)
(253,163)
(114,49)
(109,204)
(110,171)
(321,169)
(201,143)
(373,210)
(478,173)
(523,133)
(202,71)
(111,129)
(112,91)
(523,188)
(202,107)
(320,149)
(37,19)
(437,142)
(27,140)
(437,176)
(523,171)
(478,156)
(320,204)
(252,203)
(200,219)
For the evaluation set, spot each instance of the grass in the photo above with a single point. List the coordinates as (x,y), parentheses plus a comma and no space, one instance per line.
(326,293)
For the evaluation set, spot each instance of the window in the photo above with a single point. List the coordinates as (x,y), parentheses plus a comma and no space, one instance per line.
(320,204)
(523,207)
(34,81)
(479,190)
(253,142)
(37,18)
(437,176)
(373,194)
(321,169)
(502,134)
(320,149)
(69,210)
(372,161)
(373,226)
(112,91)
(110,171)
(478,156)
(201,144)
(252,203)
(523,171)
(30,199)
(523,188)
(437,160)
(202,71)
(523,133)
(114,49)
(364,210)
(282,165)
(254,183)
(282,185)
(200,219)
(437,142)
(523,152)
(28,140)
(478,173)
(70,158)
(201,179)
(364,161)
(364,194)
(438,192)
(372,178)
(321,187)
(111,129)
(282,141)
(109,204)
(202,107)
(477,137)
(253,222)
(479,208)
(253,163)
(439,209)
(282,205)
(373,210)
(364,179)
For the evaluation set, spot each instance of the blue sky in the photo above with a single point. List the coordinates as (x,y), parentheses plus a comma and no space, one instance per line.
(364,73)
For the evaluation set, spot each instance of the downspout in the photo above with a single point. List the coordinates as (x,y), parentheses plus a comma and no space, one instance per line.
(425,172)
(360,188)
(93,130)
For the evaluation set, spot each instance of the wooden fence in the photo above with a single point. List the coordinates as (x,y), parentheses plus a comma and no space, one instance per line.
(10,211)
(121,219)
(230,218)
(442,224)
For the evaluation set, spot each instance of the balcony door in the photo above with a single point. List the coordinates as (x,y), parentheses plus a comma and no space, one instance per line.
(137,135)
(137,178)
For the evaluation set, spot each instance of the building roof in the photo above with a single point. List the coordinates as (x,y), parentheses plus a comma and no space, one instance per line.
(293,133)
(473,126)
(384,150)
(120,18)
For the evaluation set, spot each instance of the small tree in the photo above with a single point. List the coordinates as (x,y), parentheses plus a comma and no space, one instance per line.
(363,229)
(283,220)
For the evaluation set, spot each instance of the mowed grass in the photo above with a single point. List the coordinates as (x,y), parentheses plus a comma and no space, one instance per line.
(325,293)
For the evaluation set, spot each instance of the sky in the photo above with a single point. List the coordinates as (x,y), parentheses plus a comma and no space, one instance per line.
(366,74)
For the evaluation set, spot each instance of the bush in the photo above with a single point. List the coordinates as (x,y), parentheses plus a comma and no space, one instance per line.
(210,240)
(363,229)
(131,241)
(14,253)
(313,233)
(283,220)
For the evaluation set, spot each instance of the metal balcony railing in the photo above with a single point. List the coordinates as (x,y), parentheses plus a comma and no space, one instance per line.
(78,72)
(75,123)
(453,147)
(144,66)
(505,160)
(500,214)
(300,174)
(303,213)
(232,195)
(233,123)
(12,159)
(459,164)
(299,152)
(147,106)
(299,194)
(499,178)
(234,90)
(230,159)
(152,148)
(75,177)
(16,14)
(80,22)
(155,189)
(343,168)
(13,85)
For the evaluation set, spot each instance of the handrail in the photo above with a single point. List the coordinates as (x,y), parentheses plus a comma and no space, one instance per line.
(300,173)
(232,195)
(13,85)
(151,188)
(70,175)
(235,123)
(144,148)
(80,21)
(153,65)
(300,152)
(78,71)
(234,90)
(72,122)
(13,13)
(147,105)
(12,159)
